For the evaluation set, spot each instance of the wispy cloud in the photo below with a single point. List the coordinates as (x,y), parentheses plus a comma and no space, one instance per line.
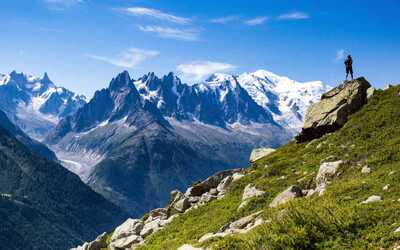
(153,13)
(199,70)
(297,15)
(340,55)
(256,21)
(61,4)
(225,19)
(172,33)
(130,58)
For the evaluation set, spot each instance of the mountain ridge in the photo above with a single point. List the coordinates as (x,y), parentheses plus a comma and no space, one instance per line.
(36,104)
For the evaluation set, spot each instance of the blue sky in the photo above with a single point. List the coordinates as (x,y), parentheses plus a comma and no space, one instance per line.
(82,44)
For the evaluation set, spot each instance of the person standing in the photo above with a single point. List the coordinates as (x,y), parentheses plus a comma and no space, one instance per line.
(349,66)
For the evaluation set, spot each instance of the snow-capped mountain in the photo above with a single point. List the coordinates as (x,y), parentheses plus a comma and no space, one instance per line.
(36,104)
(214,102)
(136,140)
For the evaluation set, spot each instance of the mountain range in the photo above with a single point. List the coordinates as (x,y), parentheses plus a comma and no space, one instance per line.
(36,104)
(136,140)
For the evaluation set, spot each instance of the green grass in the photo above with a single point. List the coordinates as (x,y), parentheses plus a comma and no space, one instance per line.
(335,220)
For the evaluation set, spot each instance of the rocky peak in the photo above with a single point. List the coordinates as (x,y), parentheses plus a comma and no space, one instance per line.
(120,81)
(332,111)
(45,79)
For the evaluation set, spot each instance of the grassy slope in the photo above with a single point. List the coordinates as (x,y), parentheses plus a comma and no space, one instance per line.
(336,220)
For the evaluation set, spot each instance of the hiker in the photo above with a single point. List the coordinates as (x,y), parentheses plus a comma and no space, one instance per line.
(349,66)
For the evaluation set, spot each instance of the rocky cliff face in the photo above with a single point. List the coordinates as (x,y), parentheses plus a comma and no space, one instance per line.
(36,104)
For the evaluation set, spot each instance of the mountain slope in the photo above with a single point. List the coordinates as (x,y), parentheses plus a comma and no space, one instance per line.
(136,140)
(345,216)
(36,104)
(35,146)
(44,206)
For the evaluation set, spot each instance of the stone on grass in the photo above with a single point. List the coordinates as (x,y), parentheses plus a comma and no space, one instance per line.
(372,199)
(251,191)
(289,194)
(128,228)
(259,153)
(366,170)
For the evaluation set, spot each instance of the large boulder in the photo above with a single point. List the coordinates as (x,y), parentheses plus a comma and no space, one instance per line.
(259,153)
(128,228)
(289,194)
(332,111)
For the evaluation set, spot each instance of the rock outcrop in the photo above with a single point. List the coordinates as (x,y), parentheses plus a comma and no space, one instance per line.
(259,153)
(327,171)
(240,226)
(372,199)
(332,112)
(250,191)
(289,194)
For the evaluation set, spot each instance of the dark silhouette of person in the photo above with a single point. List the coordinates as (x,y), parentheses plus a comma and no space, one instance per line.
(349,66)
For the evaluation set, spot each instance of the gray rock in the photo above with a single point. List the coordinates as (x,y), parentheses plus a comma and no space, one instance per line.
(327,171)
(125,243)
(182,205)
(386,187)
(366,170)
(97,244)
(128,228)
(371,199)
(259,153)
(189,247)
(237,176)
(332,111)
(243,222)
(207,198)
(370,92)
(251,191)
(150,227)
(224,183)
(289,194)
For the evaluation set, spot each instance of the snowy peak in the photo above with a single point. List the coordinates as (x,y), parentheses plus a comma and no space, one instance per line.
(285,98)
(36,104)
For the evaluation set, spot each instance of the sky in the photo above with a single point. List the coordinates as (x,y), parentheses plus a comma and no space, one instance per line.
(82,44)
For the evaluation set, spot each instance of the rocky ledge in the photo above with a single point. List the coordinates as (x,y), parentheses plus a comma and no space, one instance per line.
(332,112)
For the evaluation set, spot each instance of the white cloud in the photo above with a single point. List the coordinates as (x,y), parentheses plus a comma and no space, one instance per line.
(340,55)
(157,14)
(225,19)
(62,4)
(130,58)
(256,21)
(199,70)
(297,15)
(173,33)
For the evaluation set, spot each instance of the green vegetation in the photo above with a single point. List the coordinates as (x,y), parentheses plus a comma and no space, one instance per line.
(335,220)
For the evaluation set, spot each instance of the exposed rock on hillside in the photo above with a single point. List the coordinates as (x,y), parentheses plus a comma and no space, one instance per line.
(289,194)
(259,153)
(332,111)
(240,226)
